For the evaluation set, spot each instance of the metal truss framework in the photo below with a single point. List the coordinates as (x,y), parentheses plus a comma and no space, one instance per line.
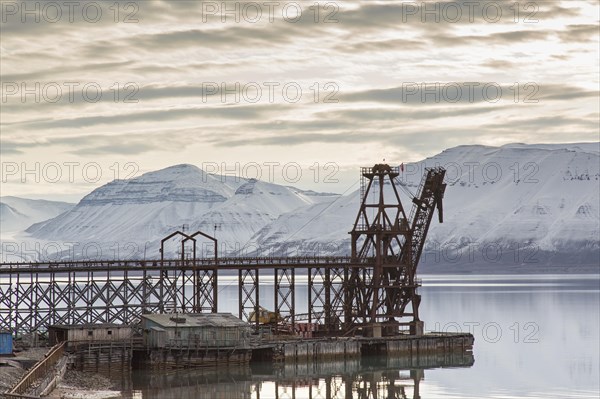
(344,294)
(36,295)
(326,297)
(248,294)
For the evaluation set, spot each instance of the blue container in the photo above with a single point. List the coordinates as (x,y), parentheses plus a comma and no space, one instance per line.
(6,343)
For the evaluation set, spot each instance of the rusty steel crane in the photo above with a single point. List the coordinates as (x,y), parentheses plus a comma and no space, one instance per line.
(381,295)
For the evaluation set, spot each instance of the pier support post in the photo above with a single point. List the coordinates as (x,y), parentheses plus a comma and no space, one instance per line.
(416,328)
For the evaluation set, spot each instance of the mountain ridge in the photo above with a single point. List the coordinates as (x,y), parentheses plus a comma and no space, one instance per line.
(538,199)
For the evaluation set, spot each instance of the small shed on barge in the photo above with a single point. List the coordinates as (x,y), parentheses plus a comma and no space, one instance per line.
(89,333)
(194,330)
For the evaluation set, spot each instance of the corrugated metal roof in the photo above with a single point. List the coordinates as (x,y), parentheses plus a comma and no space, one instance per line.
(196,320)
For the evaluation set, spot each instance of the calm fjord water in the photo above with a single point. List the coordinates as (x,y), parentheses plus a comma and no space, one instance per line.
(536,336)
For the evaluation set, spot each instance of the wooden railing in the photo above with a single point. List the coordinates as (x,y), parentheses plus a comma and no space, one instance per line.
(37,372)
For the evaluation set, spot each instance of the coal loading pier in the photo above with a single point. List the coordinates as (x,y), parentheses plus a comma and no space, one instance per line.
(370,296)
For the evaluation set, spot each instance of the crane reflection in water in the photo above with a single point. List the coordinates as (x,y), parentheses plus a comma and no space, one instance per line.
(369,378)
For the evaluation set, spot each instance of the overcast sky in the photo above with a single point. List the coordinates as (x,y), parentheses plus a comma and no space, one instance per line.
(93,86)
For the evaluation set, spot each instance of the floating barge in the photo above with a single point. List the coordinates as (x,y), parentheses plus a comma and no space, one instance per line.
(221,339)
(429,350)
(405,346)
(213,340)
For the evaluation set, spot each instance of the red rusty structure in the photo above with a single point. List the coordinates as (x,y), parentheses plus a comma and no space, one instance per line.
(373,292)
(382,294)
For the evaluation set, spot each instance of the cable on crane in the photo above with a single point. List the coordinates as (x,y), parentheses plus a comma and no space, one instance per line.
(405,188)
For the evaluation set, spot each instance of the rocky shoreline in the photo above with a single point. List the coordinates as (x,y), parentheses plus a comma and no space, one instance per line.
(80,385)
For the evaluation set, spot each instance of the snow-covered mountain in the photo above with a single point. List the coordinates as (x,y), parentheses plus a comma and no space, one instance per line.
(519,206)
(132,216)
(16,214)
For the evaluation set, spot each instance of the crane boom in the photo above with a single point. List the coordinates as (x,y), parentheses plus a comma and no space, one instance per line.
(430,195)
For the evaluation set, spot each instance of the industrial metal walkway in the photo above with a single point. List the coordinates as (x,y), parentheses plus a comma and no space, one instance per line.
(36,295)
(375,288)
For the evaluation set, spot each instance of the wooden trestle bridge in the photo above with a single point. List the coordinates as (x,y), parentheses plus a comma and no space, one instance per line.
(376,285)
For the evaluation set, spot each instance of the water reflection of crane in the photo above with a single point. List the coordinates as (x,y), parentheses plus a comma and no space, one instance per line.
(376,383)
(389,385)
(371,378)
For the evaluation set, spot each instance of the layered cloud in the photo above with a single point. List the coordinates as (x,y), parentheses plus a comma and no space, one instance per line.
(162,82)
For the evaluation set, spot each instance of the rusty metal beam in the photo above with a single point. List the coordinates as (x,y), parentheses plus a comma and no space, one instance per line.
(249,299)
